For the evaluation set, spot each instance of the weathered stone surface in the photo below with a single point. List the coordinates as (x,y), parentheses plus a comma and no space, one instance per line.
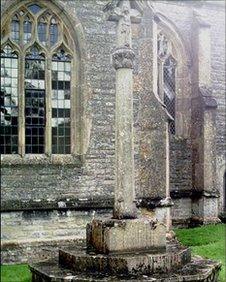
(112,236)
(33,235)
(197,270)
(123,57)
(136,263)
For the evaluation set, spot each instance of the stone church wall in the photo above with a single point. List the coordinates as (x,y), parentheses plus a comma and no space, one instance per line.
(213,14)
(25,186)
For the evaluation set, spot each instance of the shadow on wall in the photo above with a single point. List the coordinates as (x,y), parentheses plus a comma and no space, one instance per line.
(222,215)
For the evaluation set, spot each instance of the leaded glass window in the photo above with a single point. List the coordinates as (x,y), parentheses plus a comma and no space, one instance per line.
(169,89)
(27,30)
(34,102)
(9,101)
(61,104)
(42,29)
(36,75)
(53,32)
(166,77)
(15,29)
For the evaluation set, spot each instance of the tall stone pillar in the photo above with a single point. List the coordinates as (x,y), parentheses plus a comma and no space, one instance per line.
(123,58)
(126,232)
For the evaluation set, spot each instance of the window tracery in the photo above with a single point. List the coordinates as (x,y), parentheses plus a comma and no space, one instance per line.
(36,71)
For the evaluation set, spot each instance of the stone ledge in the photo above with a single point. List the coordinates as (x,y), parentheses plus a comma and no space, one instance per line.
(41,159)
(63,203)
(70,202)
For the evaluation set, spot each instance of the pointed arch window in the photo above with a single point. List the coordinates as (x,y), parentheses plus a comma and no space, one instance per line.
(167,78)
(15,29)
(36,91)
(27,29)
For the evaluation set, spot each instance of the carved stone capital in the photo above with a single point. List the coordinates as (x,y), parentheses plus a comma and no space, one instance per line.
(123,57)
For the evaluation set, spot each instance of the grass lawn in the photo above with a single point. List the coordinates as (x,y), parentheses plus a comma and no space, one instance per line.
(15,273)
(207,241)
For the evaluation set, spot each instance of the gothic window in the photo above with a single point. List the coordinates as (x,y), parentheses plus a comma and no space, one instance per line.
(166,77)
(36,75)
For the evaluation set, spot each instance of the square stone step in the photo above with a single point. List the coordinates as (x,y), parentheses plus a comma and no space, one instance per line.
(137,263)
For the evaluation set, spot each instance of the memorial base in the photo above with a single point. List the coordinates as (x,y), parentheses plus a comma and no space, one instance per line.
(123,236)
(174,265)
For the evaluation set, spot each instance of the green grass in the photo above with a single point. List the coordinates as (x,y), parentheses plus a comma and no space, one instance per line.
(15,273)
(208,242)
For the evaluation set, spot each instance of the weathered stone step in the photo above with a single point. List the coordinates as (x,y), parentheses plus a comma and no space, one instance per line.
(198,270)
(125,264)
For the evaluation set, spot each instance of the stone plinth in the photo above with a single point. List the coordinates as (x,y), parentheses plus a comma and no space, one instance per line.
(125,264)
(122,236)
(174,265)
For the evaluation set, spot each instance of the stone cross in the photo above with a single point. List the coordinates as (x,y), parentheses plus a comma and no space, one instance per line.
(123,59)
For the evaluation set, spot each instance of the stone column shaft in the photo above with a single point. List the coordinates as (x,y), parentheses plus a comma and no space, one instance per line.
(124,206)
(123,57)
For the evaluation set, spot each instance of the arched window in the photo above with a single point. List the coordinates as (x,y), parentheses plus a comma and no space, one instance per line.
(37,58)
(166,77)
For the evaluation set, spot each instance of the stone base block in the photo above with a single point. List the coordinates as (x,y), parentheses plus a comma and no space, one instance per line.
(123,236)
(205,210)
(198,221)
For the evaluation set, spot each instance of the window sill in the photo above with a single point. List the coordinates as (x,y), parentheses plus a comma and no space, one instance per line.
(42,159)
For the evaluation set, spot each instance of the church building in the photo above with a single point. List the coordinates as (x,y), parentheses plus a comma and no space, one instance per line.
(58,117)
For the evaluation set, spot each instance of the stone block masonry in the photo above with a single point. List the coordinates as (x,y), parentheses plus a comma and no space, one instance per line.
(34,235)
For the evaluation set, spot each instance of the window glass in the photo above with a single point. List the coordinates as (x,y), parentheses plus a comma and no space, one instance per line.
(15,29)
(27,30)
(37,25)
(35,103)
(169,89)
(53,32)
(34,8)
(61,104)
(42,27)
(9,102)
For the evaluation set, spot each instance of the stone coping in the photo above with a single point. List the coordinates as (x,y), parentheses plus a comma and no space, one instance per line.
(6,244)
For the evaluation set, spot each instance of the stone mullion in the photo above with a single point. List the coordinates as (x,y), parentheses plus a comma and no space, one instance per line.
(21,38)
(21,76)
(160,78)
(74,115)
(47,33)
(48,100)
(60,31)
